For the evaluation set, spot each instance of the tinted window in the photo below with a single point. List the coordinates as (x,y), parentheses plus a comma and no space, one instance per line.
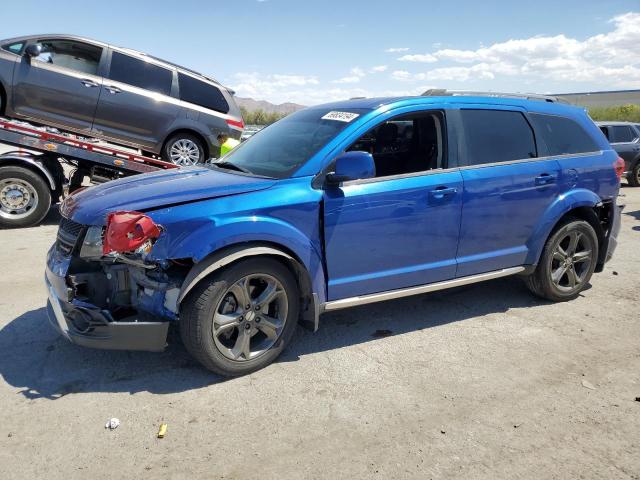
(139,73)
(622,134)
(77,56)
(605,130)
(201,93)
(563,135)
(282,148)
(14,47)
(497,136)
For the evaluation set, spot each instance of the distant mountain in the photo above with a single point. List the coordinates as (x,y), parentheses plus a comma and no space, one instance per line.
(252,105)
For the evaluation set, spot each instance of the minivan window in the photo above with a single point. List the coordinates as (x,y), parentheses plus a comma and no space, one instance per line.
(14,47)
(78,56)
(622,134)
(201,93)
(563,135)
(139,73)
(497,136)
(283,147)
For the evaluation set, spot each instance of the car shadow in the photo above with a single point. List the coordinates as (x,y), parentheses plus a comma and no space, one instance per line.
(35,359)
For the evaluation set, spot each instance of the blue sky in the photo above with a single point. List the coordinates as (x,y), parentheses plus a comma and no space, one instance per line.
(309,51)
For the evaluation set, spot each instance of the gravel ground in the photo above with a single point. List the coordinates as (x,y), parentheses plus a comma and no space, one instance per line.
(477,382)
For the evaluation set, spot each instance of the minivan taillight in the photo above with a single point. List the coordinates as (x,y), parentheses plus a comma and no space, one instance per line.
(235,123)
(618,166)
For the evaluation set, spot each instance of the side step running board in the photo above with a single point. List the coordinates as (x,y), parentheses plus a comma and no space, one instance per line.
(431,287)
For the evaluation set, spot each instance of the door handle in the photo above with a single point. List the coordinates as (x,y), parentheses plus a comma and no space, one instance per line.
(89,83)
(442,192)
(113,90)
(545,179)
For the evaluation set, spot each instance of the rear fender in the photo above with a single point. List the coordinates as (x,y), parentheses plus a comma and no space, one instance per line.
(44,167)
(562,205)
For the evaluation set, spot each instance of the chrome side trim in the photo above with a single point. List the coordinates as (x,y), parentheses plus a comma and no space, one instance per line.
(206,267)
(431,287)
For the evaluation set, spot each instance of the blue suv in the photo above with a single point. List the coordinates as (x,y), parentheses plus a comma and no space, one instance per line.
(338,205)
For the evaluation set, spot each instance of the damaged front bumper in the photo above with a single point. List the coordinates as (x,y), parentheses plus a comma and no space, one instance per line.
(90,326)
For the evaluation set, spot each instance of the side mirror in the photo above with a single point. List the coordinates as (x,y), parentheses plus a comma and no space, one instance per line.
(33,50)
(352,166)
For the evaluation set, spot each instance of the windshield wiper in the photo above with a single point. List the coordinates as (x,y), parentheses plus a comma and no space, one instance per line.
(231,166)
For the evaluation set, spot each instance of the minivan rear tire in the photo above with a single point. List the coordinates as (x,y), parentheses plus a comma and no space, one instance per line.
(544,281)
(180,149)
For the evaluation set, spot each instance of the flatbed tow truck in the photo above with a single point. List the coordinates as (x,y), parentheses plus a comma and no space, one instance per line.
(32,178)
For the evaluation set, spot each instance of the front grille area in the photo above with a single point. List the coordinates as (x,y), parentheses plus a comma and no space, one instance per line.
(68,234)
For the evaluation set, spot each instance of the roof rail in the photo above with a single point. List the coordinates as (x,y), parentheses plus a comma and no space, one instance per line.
(443,92)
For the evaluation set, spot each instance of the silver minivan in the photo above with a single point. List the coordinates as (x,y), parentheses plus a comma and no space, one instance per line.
(116,94)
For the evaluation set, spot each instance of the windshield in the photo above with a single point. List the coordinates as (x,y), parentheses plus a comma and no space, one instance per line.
(280,149)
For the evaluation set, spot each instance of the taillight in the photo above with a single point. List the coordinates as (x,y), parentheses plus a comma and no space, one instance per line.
(618,166)
(235,123)
(127,231)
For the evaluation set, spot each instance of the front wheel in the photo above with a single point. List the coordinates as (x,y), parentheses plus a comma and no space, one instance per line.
(241,318)
(184,150)
(634,175)
(25,198)
(567,263)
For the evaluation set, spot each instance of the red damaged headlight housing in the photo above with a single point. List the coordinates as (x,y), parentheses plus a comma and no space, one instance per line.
(128,232)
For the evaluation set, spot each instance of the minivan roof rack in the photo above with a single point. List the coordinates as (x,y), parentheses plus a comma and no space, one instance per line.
(443,92)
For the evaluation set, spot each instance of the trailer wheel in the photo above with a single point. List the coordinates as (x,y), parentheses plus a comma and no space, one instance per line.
(25,198)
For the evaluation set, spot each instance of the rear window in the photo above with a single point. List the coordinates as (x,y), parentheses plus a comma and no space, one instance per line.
(202,94)
(563,135)
(622,134)
(497,136)
(139,73)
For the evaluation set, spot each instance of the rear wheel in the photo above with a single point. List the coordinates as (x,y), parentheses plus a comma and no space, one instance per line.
(567,263)
(241,318)
(25,198)
(184,149)
(634,175)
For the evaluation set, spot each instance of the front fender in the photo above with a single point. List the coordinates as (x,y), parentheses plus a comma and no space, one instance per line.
(202,243)
(564,203)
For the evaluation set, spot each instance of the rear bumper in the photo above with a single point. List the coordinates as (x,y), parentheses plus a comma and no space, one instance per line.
(612,238)
(88,325)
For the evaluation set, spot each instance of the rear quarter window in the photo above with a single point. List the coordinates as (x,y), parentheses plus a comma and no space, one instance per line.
(497,136)
(201,93)
(562,135)
(622,134)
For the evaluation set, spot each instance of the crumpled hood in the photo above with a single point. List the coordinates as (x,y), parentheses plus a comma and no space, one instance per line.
(154,190)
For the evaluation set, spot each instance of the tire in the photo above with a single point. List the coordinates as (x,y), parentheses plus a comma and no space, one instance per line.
(184,149)
(555,265)
(634,175)
(217,343)
(25,197)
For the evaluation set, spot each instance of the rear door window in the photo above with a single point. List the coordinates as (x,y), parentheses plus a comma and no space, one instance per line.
(497,136)
(562,135)
(77,56)
(201,93)
(622,134)
(140,73)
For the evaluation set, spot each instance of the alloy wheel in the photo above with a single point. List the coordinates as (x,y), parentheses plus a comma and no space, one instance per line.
(250,317)
(571,261)
(184,152)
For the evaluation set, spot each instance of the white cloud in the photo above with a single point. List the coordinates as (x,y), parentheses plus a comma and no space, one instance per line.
(347,79)
(396,50)
(421,58)
(378,69)
(402,75)
(608,60)
(259,86)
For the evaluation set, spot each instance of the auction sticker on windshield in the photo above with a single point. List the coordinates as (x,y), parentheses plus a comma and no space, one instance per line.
(340,116)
